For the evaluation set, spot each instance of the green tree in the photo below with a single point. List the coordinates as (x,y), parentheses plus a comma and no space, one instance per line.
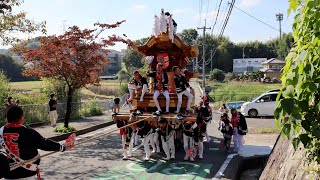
(123,76)
(298,113)
(14,22)
(4,88)
(216,74)
(189,36)
(133,59)
(12,69)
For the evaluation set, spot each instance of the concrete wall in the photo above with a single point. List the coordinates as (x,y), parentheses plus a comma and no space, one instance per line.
(285,163)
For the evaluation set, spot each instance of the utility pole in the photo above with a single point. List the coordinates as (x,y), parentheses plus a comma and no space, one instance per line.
(204,28)
(279,18)
(211,59)
(197,65)
(243,53)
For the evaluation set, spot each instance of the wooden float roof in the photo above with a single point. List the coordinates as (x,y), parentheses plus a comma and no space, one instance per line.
(176,49)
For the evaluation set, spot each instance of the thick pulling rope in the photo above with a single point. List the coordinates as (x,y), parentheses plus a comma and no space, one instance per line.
(77,144)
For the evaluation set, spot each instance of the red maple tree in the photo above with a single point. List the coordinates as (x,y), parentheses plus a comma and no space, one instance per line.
(76,57)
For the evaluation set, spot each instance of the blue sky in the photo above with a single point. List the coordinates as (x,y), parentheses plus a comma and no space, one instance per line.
(139,16)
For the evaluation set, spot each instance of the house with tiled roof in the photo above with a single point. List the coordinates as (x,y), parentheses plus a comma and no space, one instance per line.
(272,67)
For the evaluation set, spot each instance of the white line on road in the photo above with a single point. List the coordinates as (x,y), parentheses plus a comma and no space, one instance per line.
(223,167)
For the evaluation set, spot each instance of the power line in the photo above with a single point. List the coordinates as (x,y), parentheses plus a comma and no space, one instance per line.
(215,22)
(257,19)
(208,5)
(224,16)
(200,11)
(227,18)
(224,25)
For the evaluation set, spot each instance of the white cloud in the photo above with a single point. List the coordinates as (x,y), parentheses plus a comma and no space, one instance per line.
(180,11)
(139,7)
(248,3)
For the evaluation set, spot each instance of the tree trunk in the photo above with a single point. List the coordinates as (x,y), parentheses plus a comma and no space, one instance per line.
(69,104)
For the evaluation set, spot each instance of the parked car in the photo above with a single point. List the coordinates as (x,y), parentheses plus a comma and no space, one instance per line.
(264,105)
(273,90)
(236,105)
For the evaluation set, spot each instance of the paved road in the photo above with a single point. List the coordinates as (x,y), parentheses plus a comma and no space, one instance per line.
(102,159)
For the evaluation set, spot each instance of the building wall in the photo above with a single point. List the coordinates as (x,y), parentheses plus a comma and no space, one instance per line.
(114,65)
(247,65)
(273,66)
(273,74)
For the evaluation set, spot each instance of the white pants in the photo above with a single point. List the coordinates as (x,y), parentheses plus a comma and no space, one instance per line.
(156,102)
(186,93)
(188,143)
(206,133)
(146,141)
(168,146)
(124,148)
(53,115)
(237,140)
(131,88)
(144,90)
(200,148)
(135,137)
(155,142)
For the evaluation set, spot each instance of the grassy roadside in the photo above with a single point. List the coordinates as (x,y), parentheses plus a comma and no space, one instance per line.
(237,91)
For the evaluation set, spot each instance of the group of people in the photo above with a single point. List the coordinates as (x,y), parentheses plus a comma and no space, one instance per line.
(234,128)
(140,83)
(160,133)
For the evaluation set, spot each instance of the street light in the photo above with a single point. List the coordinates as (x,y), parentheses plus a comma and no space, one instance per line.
(279,18)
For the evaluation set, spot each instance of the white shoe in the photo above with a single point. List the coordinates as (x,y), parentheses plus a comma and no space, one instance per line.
(172,157)
(166,158)
(147,159)
(189,109)
(186,157)
(129,155)
(200,157)
(158,151)
(141,100)
(191,159)
(176,112)
(153,151)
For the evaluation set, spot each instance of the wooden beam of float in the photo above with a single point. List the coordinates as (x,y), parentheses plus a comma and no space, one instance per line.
(169,117)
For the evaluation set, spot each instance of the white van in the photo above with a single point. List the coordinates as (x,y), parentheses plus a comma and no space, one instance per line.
(264,105)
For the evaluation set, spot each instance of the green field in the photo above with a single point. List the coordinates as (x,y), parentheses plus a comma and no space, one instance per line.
(238,91)
(26,85)
(31,88)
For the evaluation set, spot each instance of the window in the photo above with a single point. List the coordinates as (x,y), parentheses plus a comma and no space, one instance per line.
(266,98)
(274,97)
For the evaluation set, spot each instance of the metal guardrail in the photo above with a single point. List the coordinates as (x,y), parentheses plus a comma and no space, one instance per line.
(38,113)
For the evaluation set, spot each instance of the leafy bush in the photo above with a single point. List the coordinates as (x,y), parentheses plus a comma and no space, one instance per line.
(4,88)
(62,129)
(298,112)
(91,108)
(216,74)
(60,89)
(123,89)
